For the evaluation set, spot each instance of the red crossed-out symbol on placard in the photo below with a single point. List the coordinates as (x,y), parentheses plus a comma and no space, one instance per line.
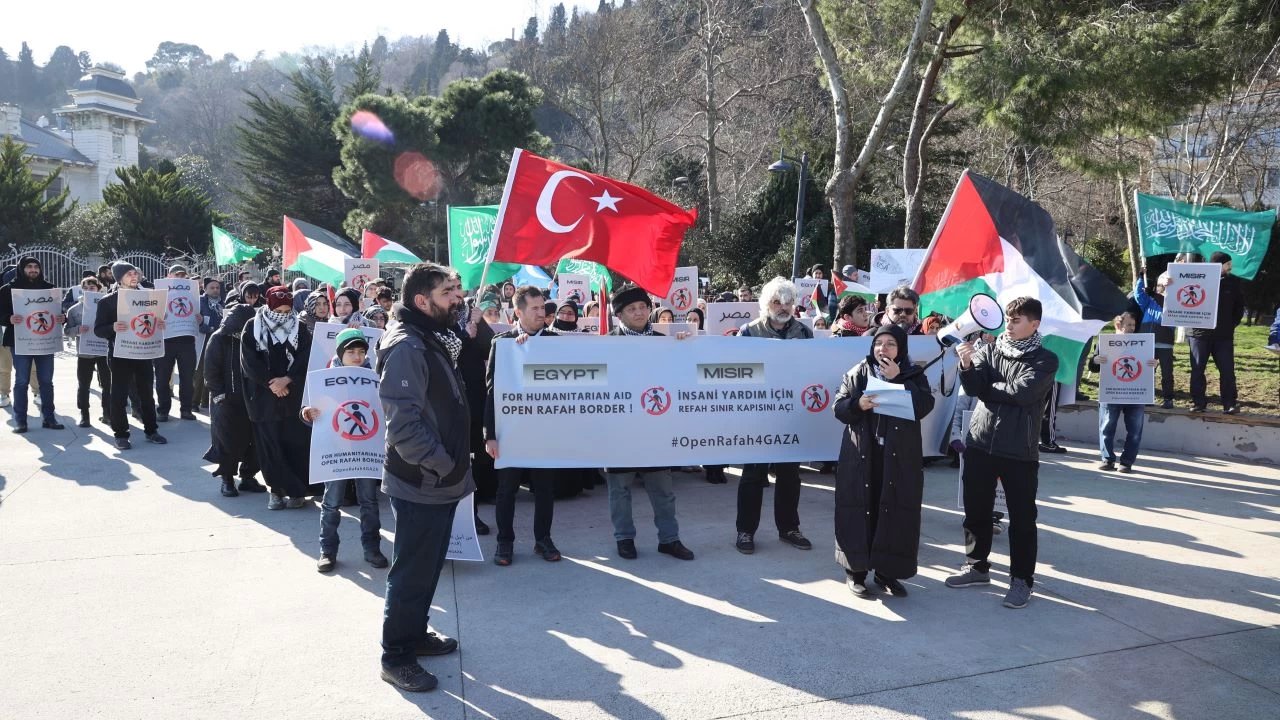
(815,398)
(359,281)
(655,400)
(143,325)
(40,322)
(355,420)
(1190,296)
(1126,368)
(681,300)
(180,307)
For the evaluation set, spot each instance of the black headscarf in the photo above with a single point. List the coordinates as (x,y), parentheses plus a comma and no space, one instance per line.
(900,335)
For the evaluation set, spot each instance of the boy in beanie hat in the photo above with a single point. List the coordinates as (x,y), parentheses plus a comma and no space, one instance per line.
(127,376)
(352,351)
(1218,342)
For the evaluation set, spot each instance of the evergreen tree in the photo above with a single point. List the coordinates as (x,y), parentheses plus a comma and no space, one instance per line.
(368,75)
(27,215)
(287,155)
(557,29)
(531,30)
(443,53)
(6,78)
(158,213)
(26,77)
(61,72)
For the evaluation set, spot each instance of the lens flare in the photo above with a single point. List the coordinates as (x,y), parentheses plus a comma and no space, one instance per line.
(370,126)
(417,175)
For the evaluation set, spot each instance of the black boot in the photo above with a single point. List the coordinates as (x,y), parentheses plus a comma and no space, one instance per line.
(229,488)
(84,418)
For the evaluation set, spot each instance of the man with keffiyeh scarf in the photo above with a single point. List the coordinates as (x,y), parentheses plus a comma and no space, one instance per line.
(1010,379)
(427,470)
(274,349)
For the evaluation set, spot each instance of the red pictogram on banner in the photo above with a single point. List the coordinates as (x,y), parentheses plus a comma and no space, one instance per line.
(815,398)
(355,420)
(1190,296)
(655,400)
(143,325)
(40,322)
(1126,369)
(682,300)
(181,307)
(359,281)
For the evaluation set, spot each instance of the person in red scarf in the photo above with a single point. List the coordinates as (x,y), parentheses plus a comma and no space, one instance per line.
(852,318)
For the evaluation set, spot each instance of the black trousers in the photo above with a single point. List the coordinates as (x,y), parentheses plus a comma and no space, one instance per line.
(417,557)
(543,485)
(181,352)
(84,379)
(132,377)
(1020,479)
(284,455)
(1223,353)
(201,392)
(1165,356)
(786,496)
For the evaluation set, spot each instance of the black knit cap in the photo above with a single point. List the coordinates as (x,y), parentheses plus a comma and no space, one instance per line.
(628,295)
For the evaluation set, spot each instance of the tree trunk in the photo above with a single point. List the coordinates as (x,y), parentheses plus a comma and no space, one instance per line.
(848,171)
(1131,238)
(712,117)
(914,160)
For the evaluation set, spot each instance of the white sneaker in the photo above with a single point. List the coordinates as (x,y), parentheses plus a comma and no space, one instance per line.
(4,400)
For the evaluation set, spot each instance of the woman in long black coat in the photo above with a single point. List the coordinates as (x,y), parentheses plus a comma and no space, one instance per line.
(880,476)
(230,431)
(274,349)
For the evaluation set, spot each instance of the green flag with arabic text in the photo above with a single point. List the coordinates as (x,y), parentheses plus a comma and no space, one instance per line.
(470,233)
(1167,226)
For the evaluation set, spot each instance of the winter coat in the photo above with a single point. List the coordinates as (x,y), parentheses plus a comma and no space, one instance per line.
(210,316)
(19,282)
(760,327)
(1230,311)
(1150,307)
(1011,393)
(229,424)
(894,549)
(261,364)
(427,416)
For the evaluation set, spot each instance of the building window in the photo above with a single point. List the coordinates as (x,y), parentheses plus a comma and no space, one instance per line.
(117,145)
(1273,178)
(54,189)
(117,123)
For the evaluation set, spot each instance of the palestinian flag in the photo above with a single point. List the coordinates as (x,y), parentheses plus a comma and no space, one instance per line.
(386,252)
(315,252)
(992,240)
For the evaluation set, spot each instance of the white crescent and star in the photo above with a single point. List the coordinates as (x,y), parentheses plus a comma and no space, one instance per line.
(543,208)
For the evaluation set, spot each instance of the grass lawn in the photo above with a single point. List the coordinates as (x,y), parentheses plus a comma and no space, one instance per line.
(1257,375)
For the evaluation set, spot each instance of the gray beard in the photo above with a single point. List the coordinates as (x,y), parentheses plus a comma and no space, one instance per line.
(781,318)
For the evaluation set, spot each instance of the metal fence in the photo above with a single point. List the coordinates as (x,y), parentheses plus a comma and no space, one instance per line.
(64,268)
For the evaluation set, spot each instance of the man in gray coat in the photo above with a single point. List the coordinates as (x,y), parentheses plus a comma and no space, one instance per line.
(428,464)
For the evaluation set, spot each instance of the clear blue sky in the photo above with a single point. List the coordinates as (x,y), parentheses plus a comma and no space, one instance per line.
(127,34)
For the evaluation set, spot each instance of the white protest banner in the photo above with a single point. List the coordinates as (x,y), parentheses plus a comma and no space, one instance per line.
(679,402)
(1126,376)
(499,328)
(804,291)
(141,312)
(893,268)
(1001,504)
(39,332)
(1191,299)
(725,318)
(672,328)
(589,325)
(358,272)
(324,346)
(347,440)
(182,311)
(463,542)
(88,344)
(575,287)
(684,290)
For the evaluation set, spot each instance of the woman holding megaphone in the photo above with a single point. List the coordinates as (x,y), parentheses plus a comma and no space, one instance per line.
(880,475)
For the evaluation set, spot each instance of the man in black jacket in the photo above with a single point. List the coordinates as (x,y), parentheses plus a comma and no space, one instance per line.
(126,375)
(428,465)
(1218,343)
(179,352)
(529,303)
(29,276)
(1010,379)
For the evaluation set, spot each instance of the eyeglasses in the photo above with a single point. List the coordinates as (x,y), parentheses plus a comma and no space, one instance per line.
(902,311)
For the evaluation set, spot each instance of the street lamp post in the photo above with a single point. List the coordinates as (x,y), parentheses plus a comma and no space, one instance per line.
(786,164)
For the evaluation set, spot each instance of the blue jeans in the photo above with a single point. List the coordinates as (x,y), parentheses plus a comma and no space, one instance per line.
(331,514)
(1108,419)
(657,482)
(22,381)
(417,557)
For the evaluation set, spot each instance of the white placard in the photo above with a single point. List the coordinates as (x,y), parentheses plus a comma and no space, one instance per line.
(87,343)
(358,272)
(464,544)
(1191,298)
(348,439)
(713,401)
(573,286)
(182,311)
(1126,377)
(324,345)
(499,328)
(39,332)
(724,318)
(141,312)
(684,290)
(804,292)
(589,325)
(1001,504)
(893,268)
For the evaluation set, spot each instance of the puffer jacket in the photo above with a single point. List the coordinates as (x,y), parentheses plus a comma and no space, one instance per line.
(1011,394)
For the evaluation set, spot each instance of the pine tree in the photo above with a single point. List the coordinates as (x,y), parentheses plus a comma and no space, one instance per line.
(26,77)
(158,213)
(26,213)
(6,78)
(368,74)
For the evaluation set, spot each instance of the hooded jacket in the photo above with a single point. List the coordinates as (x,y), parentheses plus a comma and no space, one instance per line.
(1011,393)
(428,419)
(19,282)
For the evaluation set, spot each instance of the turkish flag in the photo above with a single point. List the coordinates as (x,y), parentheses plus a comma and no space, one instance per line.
(551,211)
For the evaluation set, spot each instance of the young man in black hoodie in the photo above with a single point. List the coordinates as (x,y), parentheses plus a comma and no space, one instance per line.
(30,276)
(1010,379)
(1218,343)
(126,374)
